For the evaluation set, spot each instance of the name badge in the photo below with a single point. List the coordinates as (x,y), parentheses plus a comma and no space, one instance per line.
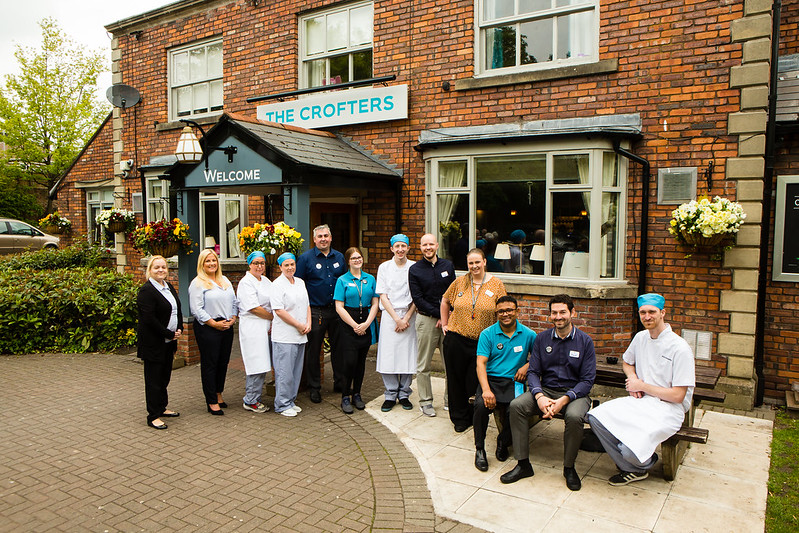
(489,293)
(444,274)
(318,266)
(574,353)
(335,265)
(517,349)
(352,285)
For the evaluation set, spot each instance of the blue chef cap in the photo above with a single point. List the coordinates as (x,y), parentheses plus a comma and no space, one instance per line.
(651,299)
(256,253)
(284,256)
(517,235)
(399,237)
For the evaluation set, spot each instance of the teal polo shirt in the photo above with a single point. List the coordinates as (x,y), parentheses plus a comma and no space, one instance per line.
(505,354)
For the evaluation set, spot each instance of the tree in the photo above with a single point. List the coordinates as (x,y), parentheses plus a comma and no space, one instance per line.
(50,110)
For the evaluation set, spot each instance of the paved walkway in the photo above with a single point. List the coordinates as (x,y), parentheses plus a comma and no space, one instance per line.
(77,456)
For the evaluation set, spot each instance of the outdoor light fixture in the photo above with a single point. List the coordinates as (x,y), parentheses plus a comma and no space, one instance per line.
(189,149)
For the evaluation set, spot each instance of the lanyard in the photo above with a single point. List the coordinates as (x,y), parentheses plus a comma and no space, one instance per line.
(475,297)
(359,287)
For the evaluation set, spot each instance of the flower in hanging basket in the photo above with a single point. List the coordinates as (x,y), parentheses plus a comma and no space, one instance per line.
(55,223)
(116,220)
(271,239)
(162,237)
(705,224)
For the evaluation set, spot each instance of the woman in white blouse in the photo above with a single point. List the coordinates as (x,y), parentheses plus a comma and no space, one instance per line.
(255,319)
(213,303)
(290,327)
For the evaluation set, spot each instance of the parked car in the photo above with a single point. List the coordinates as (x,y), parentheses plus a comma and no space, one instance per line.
(17,236)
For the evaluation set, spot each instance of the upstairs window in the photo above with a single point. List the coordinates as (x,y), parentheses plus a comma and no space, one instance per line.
(195,80)
(522,35)
(336,45)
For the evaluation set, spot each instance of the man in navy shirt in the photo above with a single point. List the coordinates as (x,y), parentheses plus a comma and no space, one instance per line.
(561,373)
(429,279)
(320,267)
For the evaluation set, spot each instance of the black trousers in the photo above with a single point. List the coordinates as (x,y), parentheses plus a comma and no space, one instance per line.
(215,349)
(353,349)
(481,413)
(156,379)
(323,320)
(460,360)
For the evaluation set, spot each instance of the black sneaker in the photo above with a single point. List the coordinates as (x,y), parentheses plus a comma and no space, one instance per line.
(358,402)
(388,405)
(316,396)
(625,478)
(406,404)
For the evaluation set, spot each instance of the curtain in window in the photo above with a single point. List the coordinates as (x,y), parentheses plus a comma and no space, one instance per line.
(450,175)
(583,172)
(608,231)
(232,227)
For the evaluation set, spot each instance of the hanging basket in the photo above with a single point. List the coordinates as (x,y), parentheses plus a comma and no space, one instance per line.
(117,226)
(167,249)
(700,241)
(271,259)
(52,230)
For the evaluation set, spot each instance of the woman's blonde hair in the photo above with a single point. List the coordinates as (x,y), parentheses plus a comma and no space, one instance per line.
(203,277)
(152,260)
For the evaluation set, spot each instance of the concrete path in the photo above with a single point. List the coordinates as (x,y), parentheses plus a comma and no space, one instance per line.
(721,486)
(78,456)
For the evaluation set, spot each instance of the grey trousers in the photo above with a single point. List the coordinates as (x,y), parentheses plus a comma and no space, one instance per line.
(525,406)
(398,386)
(287,360)
(624,458)
(428,337)
(253,387)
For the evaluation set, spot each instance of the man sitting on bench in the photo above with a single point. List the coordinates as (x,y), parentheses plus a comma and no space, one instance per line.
(660,374)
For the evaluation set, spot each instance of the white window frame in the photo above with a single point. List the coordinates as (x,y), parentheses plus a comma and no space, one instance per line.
(304,58)
(482,25)
(163,199)
(594,148)
(221,199)
(104,200)
(207,80)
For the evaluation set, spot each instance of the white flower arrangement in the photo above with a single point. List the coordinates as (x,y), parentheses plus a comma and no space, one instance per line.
(107,216)
(702,218)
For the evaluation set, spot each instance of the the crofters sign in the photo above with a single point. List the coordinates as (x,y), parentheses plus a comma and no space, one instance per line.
(353,106)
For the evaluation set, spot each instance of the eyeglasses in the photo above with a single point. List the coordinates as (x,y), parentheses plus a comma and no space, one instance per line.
(258,263)
(356,258)
(506,311)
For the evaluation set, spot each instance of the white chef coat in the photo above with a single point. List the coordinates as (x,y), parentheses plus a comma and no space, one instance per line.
(254,330)
(293,298)
(396,352)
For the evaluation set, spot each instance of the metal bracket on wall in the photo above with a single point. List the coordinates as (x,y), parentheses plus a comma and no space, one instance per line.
(287,200)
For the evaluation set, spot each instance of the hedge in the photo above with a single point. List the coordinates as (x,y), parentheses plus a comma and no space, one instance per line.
(77,255)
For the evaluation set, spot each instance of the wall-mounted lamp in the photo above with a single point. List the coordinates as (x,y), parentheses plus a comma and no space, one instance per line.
(189,149)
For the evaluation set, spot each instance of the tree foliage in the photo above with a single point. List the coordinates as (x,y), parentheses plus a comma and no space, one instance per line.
(50,109)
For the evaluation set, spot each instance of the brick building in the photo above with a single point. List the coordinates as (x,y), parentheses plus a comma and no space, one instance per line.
(583,124)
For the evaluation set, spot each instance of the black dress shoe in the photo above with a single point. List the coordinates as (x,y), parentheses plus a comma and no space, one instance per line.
(502,453)
(316,396)
(223,405)
(218,412)
(519,472)
(480,460)
(572,478)
(460,428)
(150,423)
(173,414)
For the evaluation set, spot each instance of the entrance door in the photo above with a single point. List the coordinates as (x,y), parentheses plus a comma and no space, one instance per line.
(343,221)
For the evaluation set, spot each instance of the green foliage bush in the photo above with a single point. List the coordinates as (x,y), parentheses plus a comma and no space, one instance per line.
(72,309)
(81,254)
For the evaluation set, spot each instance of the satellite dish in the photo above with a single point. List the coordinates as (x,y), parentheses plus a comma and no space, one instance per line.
(124,96)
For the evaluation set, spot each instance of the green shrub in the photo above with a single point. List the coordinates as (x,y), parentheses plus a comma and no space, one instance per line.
(80,254)
(70,310)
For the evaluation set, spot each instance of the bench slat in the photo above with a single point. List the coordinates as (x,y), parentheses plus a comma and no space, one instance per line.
(690,434)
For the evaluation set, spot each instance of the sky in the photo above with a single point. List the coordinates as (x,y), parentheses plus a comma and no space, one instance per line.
(81,20)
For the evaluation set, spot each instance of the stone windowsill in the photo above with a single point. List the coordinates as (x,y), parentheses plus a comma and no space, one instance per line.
(604,66)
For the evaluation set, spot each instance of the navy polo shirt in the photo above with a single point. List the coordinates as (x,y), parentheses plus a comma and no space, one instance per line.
(428,284)
(557,363)
(320,273)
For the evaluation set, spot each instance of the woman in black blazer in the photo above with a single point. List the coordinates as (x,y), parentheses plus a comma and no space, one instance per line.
(160,326)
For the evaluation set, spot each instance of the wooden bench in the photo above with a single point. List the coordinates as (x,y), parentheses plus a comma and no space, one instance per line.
(673,449)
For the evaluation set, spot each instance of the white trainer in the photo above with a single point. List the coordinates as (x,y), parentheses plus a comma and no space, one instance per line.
(289,412)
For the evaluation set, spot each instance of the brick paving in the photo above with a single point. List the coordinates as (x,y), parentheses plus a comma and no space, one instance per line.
(77,456)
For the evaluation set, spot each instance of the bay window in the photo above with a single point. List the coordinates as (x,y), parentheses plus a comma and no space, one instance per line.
(221,221)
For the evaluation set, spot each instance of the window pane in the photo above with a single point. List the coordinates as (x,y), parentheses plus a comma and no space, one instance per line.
(500,47)
(575,37)
(453,216)
(197,68)
(609,235)
(215,60)
(337,31)
(315,35)
(361,23)
(210,218)
(511,206)
(183,101)
(570,234)
(452,174)
(494,9)
(180,68)
(215,97)
(200,98)
(156,211)
(340,69)
(571,169)
(610,170)
(531,6)
(232,227)
(362,65)
(536,41)
(315,72)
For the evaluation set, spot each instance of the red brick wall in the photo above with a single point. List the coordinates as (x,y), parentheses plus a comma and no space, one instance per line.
(789,27)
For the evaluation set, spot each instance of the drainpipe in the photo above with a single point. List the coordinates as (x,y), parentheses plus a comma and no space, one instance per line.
(643,254)
(765,224)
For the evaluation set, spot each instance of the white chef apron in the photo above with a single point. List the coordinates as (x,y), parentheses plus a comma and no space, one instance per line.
(254,342)
(640,423)
(396,352)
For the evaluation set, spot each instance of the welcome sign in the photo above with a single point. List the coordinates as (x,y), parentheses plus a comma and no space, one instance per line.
(336,108)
